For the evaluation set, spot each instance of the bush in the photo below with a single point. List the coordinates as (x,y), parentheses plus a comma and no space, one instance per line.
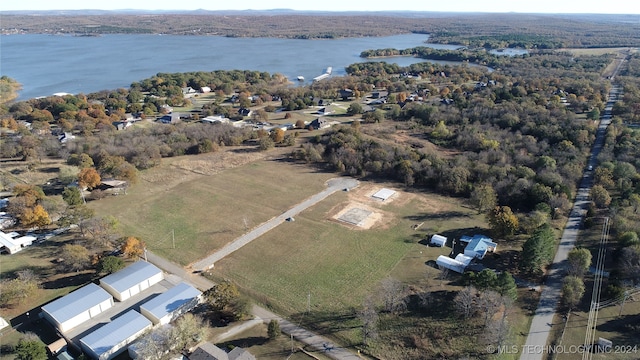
(273,329)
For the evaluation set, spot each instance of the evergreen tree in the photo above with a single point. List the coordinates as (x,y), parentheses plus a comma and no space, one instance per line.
(538,250)
(273,329)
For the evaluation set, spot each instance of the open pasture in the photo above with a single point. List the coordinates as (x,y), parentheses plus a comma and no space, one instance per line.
(198,207)
(319,269)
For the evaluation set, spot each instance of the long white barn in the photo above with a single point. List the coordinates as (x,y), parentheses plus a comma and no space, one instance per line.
(132,280)
(77,307)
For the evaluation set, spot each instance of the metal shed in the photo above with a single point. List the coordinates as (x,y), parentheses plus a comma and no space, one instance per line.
(383,194)
(131,280)
(438,240)
(172,303)
(111,339)
(77,307)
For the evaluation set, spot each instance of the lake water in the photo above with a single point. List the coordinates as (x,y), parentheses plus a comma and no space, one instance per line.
(47,64)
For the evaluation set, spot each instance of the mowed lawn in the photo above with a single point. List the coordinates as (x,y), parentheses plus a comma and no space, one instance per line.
(318,263)
(200,212)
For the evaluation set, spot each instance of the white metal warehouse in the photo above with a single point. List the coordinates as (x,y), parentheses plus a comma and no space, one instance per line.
(77,307)
(172,303)
(438,240)
(131,280)
(111,339)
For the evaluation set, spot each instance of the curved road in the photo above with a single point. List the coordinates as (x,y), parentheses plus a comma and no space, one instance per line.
(534,348)
(333,185)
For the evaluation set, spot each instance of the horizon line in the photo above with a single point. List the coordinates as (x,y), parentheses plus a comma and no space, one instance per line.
(317,11)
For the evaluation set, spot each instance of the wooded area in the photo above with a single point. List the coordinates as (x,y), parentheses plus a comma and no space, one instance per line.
(474,30)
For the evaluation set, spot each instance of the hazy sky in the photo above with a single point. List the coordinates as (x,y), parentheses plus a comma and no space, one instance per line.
(522,6)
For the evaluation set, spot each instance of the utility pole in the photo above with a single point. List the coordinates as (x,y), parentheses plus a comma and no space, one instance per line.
(173,237)
(624,299)
(309,302)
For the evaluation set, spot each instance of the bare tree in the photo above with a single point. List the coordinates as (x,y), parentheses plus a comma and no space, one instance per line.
(155,344)
(489,303)
(392,295)
(465,301)
(369,317)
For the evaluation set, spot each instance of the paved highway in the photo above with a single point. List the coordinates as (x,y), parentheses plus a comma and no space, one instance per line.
(542,322)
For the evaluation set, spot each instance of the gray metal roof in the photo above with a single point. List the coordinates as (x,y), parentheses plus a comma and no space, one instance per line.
(116,332)
(171,300)
(76,302)
(131,275)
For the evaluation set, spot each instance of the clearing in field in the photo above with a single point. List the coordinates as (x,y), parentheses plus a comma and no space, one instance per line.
(355,216)
(383,194)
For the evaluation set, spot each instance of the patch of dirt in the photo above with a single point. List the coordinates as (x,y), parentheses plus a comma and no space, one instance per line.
(364,193)
(375,216)
(184,168)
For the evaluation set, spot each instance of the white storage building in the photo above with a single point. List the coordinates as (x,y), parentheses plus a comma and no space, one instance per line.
(172,303)
(77,307)
(111,339)
(459,264)
(438,240)
(131,280)
(12,244)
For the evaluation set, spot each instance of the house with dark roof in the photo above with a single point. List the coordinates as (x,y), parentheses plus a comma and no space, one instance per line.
(244,112)
(208,351)
(345,94)
(319,123)
(171,118)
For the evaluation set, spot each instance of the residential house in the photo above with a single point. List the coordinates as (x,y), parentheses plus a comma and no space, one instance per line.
(208,351)
(65,137)
(319,123)
(166,109)
(205,89)
(244,112)
(121,125)
(171,118)
(188,91)
(216,119)
(478,246)
(324,111)
(345,94)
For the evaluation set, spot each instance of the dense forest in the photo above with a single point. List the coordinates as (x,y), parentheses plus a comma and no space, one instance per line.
(472,30)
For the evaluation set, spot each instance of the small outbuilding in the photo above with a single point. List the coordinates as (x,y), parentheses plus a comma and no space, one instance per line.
(77,307)
(383,194)
(111,339)
(438,240)
(132,280)
(12,244)
(445,262)
(172,303)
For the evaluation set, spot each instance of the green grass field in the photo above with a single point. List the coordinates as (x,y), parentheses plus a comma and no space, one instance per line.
(208,210)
